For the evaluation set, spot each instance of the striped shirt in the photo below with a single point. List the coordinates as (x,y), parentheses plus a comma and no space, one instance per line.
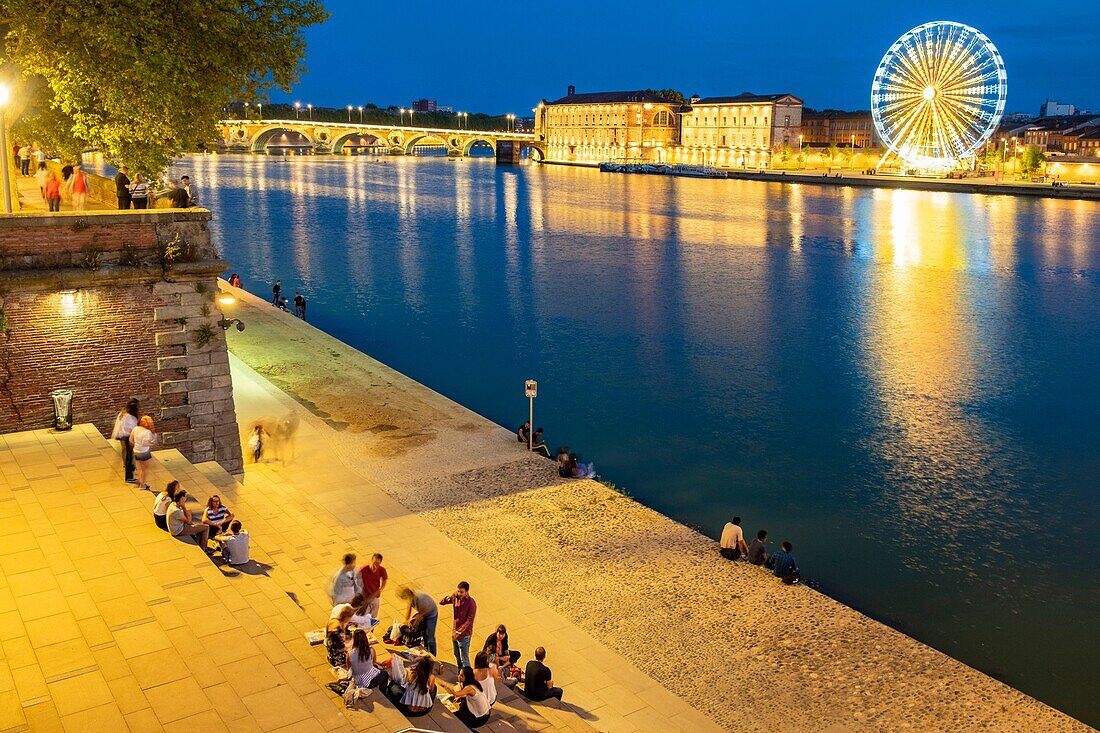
(783,564)
(217,516)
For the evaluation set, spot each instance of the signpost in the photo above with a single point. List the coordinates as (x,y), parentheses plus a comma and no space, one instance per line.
(530,390)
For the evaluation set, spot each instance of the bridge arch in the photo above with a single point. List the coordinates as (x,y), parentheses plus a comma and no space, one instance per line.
(263,136)
(417,138)
(535,152)
(471,142)
(338,141)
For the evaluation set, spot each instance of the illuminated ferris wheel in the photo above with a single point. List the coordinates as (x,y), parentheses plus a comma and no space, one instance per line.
(938,94)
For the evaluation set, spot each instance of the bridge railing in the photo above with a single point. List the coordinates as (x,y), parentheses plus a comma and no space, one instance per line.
(374,126)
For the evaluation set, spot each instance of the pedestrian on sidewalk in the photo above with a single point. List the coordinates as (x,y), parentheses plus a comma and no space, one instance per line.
(79,182)
(465,609)
(25,160)
(256,443)
(122,188)
(374,582)
(41,176)
(52,192)
(142,440)
(347,583)
(139,192)
(125,422)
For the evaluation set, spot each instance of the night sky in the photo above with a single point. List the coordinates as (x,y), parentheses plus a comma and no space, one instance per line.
(503,57)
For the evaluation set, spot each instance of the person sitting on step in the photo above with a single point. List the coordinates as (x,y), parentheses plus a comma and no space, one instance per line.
(473,706)
(412,686)
(234,544)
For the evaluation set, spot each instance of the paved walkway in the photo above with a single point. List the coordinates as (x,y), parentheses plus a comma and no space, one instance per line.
(31,201)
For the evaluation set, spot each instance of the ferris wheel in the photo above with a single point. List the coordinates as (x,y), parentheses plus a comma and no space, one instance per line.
(939,94)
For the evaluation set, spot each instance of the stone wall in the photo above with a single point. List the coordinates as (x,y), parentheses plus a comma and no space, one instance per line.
(103,308)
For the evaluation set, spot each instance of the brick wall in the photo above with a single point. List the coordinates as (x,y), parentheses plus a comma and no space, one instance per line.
(127,330)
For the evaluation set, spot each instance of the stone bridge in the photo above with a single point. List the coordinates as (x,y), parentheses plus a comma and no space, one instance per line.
(258,136)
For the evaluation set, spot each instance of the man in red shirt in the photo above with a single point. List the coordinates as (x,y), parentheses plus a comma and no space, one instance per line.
(465,611)
(374,580)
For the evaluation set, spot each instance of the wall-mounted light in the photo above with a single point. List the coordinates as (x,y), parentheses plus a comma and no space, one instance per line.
(225,323)
(68,296)
(226,299)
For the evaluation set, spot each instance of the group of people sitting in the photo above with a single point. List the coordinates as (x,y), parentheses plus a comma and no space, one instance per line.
(782,564)
(569,466)
(410,678)
(172,513)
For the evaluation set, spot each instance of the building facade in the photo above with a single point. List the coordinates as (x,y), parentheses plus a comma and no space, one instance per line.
(424,105)
(836,127)
(601,126)
(740,131)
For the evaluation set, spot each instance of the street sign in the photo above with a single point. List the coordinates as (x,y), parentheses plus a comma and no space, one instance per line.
(530,388)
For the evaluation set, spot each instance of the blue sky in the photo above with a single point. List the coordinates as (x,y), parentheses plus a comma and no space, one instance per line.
(503,57)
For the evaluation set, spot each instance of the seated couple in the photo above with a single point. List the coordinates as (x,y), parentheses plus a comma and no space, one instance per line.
(538,440)
(569,468)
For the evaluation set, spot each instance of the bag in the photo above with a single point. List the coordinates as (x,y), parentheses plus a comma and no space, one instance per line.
(118,426)
(339,686)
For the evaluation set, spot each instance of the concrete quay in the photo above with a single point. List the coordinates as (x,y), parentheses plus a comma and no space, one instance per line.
(647,628)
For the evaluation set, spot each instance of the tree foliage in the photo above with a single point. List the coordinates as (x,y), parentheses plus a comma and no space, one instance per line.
(1031,159)
(142,81)
(671,95)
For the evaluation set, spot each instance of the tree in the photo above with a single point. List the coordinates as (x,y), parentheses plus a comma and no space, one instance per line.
(670,94)
(1031,159)
(143,81)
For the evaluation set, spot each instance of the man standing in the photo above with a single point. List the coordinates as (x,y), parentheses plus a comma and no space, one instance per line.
(122,187)
(299,305)
(732,545)
(276,289)
(758,553)
(347,583)
(374,581)
(465,611)
(185,184)
(25,160)
(538,682)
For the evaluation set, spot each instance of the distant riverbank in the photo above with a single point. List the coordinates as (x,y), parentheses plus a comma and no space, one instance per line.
(850,178)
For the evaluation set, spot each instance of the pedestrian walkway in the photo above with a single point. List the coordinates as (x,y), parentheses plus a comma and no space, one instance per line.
(30,198)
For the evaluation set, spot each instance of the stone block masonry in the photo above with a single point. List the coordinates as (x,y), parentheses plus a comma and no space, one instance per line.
(128,324)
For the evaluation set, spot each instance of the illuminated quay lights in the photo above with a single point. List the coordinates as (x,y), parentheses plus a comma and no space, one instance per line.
(938,94)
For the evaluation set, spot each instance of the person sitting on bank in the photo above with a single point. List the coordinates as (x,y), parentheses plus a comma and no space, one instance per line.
(217,515)
(234,544)
(758,552)
(783,565)
(581,470)
(473,706)
(180,524)
(538,682)
(412,689)
(496,644)
(732,545)
(538,443)
(523,433)
(565,463)
(161,503)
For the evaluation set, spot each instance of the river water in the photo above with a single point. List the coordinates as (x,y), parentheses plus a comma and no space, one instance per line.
(901,383)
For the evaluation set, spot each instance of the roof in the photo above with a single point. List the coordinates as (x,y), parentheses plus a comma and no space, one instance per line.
(749,98)
(639,95)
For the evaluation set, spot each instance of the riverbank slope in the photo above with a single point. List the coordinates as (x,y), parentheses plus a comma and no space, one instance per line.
(728,638)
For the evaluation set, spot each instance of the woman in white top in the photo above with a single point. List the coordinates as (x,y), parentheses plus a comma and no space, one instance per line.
(162,502)
(413,690)
(142,440)
(365,674)
(125,423)
(473,707)
(486,676)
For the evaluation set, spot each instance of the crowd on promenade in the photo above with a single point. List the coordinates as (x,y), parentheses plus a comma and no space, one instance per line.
(217,529)
(411,675)
(74,185)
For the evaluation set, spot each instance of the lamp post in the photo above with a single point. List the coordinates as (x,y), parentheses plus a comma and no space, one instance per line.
(349,114)
(246,110)
(261,107)
(853,150)
(401,116)
(410,116)
(297,109)
(4,95)
(360,114)
(309,107)
(511,122)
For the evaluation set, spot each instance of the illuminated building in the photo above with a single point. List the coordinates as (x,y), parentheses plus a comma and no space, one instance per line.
(600,126)
(738,131)
(835,127)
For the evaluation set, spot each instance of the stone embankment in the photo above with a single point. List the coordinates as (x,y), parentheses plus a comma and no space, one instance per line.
(732,641)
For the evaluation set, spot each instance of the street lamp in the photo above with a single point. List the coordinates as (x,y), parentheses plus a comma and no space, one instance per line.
(511,122)
(4,96)
(297,109)
(853,150)
(349,114)
(360,114)
(246,110)
(410,117)
(401,116)
(309,107)
(261,106)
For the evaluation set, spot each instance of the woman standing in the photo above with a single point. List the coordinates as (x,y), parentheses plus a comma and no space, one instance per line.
(139,192)
(52,192)
(217,515)
(125,423)
(80,188)
(142,440)
(41,176)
